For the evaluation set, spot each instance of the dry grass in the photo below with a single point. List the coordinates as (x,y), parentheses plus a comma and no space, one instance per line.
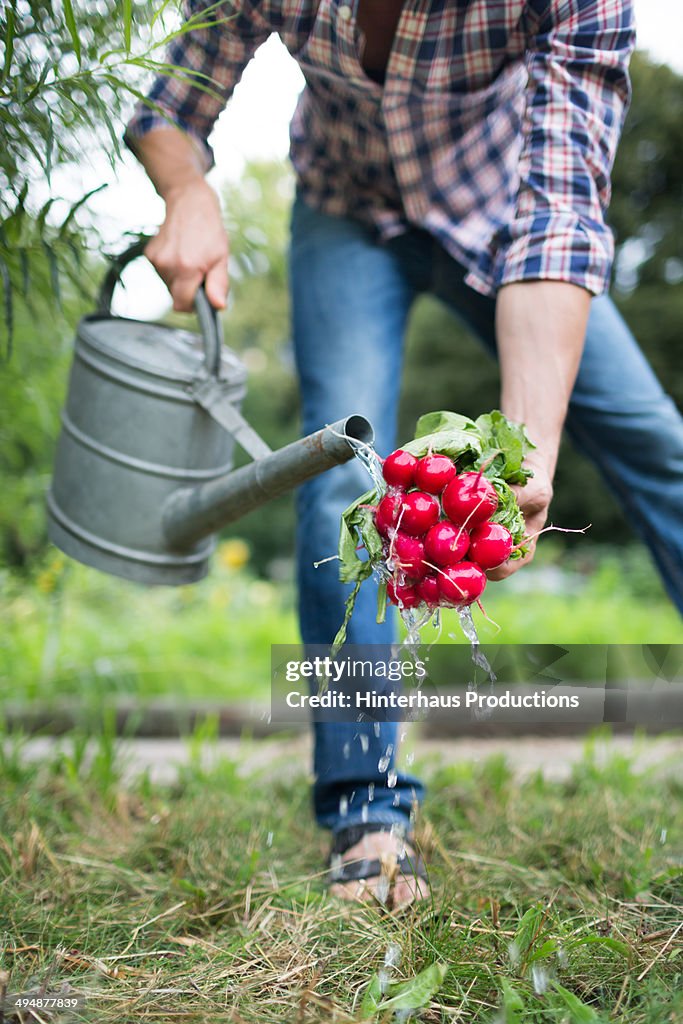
(205,900)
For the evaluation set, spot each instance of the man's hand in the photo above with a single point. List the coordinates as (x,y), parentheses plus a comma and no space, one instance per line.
(540,328)
(192,246)
(534,500)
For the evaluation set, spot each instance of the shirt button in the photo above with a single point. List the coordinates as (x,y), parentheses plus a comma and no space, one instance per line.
(345,12)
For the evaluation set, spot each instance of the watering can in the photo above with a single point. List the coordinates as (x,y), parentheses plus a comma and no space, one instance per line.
(143,473)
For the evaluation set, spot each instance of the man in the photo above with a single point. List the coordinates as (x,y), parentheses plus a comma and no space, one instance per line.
(462,147)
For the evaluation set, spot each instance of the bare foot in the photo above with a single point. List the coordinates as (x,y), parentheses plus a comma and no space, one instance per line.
(395,887)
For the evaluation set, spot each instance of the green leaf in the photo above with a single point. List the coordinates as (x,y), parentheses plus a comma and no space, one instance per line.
(352,567)
(509,514)
(453,442)
(371,998)
(127,23)
(579,1012)
(529,930)
(417,992)
(73,209)
(49,148)
(513,1004)
(381,601)
(54,273)
(47,68)
(432,422)
(9,42)
(602,940)
(504,446)
(73,29)
(159,12)
(42,216)
(8,306)
(349,605)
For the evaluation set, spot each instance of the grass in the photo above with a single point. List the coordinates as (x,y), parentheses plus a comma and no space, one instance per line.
(553,903)
(69,631)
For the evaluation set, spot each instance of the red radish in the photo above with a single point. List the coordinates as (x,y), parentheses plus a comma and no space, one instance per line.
(446,544)
(387,513)
(434,472)
(490,545)
(428,590)
(403,596)
(399,468)
(419,511)
(461,584)
(408,554)
(469,499)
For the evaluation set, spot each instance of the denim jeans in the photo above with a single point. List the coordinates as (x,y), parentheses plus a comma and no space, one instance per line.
(351,296)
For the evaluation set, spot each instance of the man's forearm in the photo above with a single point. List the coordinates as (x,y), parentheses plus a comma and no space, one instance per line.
(540,328)
(171,159)
(191,246)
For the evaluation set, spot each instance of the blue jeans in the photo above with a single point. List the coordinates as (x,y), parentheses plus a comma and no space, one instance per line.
(351,296)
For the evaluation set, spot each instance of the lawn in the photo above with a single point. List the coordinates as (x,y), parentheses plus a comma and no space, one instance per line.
(553,903)
(70,631)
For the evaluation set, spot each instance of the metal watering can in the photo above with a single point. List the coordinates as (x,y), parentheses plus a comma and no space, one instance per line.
(143,472)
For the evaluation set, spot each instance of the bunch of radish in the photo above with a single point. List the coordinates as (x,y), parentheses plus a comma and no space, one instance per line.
(438,538)
(441,514)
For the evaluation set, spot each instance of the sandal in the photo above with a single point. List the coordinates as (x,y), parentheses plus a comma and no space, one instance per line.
(389,866)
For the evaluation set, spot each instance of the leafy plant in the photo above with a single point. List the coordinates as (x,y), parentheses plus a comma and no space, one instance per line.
(68,72)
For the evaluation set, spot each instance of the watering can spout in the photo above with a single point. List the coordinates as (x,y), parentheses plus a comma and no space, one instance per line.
(192,513)
(143,470)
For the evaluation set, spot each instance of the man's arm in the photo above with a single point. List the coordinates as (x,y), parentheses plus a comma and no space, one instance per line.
(557,250)
(540,327)
(192,245)
(168,133)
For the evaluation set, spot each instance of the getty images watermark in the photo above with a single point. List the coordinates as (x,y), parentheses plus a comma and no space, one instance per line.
(581,685)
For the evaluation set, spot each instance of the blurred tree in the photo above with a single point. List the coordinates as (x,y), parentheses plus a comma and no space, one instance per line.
(67,71)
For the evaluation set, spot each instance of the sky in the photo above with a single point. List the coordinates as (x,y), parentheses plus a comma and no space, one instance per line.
(255,126)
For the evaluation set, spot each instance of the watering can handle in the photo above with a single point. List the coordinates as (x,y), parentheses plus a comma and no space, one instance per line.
(209,321)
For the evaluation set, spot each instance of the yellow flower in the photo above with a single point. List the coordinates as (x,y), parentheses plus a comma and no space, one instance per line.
(57,563)
(233,553)
(46,581)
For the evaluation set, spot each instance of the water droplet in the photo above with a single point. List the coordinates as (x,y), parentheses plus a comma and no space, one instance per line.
(371,792)
(392,779)
(662,836)
(269,839)
(343,806)
(376,728)
(364,742)
(383,975)
(514,954)
(397,799)
(382,889)
(346,750)
(562,958)
(364,813)
(541,979)
(392,957)
(410,758)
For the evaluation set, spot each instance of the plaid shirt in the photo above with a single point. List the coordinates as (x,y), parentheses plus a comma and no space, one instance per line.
(495,128)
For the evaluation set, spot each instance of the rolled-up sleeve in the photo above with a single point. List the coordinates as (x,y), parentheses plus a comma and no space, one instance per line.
(578,93)
(203,66)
